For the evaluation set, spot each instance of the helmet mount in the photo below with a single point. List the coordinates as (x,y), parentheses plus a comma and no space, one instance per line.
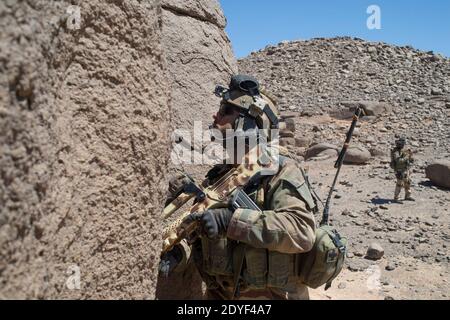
(401,142)
(257,111)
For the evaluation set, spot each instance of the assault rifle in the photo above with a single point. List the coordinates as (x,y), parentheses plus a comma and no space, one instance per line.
(227,191)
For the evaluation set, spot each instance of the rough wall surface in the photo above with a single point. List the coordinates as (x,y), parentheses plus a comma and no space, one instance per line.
(199,56)
(83,149)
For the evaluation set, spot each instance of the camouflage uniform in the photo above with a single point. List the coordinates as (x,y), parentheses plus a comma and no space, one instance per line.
(401,163)
(272,240)
(258,257)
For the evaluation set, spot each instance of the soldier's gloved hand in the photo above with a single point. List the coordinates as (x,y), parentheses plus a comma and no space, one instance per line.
(214,222)
(176,183)
(170,260)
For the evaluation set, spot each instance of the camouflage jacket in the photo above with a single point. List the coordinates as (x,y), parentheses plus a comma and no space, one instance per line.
(273,237)
(401,159)
(286,223)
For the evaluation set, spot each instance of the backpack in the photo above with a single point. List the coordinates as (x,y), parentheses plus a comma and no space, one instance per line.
(323,263)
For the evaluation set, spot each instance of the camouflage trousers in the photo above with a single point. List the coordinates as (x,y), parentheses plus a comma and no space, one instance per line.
(403,181)
(292,292)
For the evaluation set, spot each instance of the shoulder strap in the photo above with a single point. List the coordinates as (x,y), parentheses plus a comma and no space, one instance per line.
(313,198)
(305,193)
(238,262)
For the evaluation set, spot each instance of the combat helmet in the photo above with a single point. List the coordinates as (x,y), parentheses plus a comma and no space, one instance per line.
(257,109)
(400,142)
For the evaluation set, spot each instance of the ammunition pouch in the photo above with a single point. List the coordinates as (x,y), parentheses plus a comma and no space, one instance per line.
(267,269)
(252,268)
(217,256)
(400,175)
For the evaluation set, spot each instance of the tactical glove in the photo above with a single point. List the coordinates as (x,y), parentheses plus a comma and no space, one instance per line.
(176,185)
(213,222)
(170,260)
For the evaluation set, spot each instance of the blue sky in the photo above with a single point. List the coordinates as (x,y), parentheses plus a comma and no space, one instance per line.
(253,24)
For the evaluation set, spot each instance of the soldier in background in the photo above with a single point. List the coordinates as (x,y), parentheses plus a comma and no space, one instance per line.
(401,161)
(273,237)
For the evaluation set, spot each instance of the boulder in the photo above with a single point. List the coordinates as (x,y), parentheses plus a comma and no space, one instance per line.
(319,148)
(378,152)
(357,155)
(288,115)
(439,173)
(199,56)
(83,149)
(326,154)
(375,251)
(302,142)
(300,151)
(290,124)
(284,142)
(368,118)
(371,108)
(286,134)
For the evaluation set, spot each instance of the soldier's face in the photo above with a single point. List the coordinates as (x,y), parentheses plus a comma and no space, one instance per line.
(225,118)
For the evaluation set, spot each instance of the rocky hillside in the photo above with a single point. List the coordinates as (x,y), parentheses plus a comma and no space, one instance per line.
(88,104)
(327,76)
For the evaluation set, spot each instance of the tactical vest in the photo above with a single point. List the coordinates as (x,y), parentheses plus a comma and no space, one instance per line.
(400,160)
(261,268)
